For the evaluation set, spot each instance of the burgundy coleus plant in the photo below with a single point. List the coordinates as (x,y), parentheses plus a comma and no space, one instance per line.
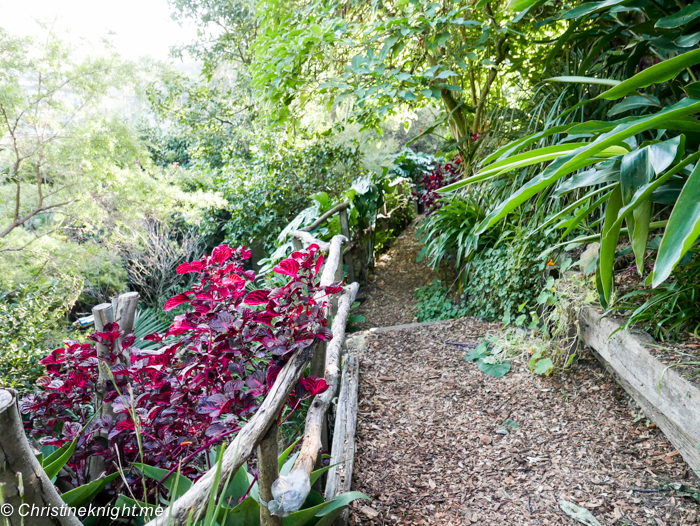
(217,362)
(442,175)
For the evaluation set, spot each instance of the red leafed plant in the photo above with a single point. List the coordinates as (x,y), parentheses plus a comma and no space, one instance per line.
(442,175)
(216,363)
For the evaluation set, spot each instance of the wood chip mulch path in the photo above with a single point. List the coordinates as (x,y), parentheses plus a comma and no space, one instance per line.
(431,445)
(390,294)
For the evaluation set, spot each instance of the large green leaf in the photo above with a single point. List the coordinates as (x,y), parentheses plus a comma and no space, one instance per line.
(573,206)
(55,462)
(530,158)
(636,171)
(289,464)
(590,7)
(573,223)
(581,157)
(609,237)
(584,80)
(646,191)
(684,16)
(238,485)
(341,501)
(520,5)
(85,494)
(497,370)
(247,513)
(633,103)
(661,72)
(603,173)
(174,479)
(682,230)
(506,150)
(285,454)
(304,517)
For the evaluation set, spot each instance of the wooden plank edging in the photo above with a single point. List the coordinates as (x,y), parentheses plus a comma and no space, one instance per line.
(674,408)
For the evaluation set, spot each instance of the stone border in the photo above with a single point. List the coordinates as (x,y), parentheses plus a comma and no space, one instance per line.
(674,408)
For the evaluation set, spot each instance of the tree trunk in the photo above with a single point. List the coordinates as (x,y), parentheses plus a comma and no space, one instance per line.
(17,458)
(268,471)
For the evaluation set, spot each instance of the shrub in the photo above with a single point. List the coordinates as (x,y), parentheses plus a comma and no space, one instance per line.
(428,185)
(30,322)
(502,279)
(215,364)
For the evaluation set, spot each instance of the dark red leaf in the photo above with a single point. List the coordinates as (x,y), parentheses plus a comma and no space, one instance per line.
(177,300)
(257,297)
(288,267)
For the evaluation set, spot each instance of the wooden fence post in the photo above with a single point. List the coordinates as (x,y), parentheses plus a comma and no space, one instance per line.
(18,460)
(268,472)
(124,310)
(345,230)
(104,315)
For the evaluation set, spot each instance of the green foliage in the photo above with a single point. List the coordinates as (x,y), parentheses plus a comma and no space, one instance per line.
(628,160)
(669,309)
(226,510)
(448,232)
(434,303)
(30,322)
(502,278)
(266,191)
(378,58)
(489,358)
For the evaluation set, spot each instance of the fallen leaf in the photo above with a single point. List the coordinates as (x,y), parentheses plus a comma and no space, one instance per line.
(577,512)
(370,512)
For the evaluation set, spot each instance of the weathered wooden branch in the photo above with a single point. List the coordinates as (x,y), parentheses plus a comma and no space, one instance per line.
(343,448)
(337,208)
(17,457)
(308,239)
(311,444)
(196,498)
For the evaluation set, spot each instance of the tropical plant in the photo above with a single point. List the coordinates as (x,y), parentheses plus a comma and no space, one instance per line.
(634,168)
(153,254)
(168,406)
(240,502)
(670,308)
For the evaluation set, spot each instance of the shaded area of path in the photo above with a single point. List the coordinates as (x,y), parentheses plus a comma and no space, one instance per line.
(390,294)
(431,446)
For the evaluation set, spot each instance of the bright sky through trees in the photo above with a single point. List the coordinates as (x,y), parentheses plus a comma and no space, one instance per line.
(135,27)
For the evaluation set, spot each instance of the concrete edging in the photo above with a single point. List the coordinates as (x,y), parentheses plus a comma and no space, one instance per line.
(674,408)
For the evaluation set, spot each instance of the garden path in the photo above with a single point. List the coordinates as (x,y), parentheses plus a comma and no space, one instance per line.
(432,446)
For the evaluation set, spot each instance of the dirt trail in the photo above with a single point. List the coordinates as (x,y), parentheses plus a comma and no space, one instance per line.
(432,445)
(390,294)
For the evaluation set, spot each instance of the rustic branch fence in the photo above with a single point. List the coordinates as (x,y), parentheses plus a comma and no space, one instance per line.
(259,433)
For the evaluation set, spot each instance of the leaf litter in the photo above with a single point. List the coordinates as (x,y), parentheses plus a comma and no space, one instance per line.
(443,443)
